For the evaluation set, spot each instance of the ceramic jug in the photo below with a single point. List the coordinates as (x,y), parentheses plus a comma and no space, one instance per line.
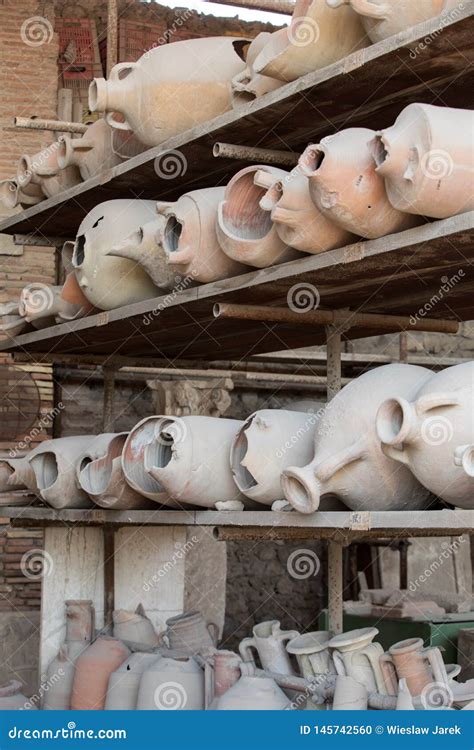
(92,153)
(427,160)
(189,634)
(349,695)
(104,481)
(254,694)
(144,246)
(347,189)
(189,457)
(135,628)
(268,640)
(60,676)
(298,221)
(80,620)
(419,666)
(225,671)
(171,88)
(44,170)
(109,282)
(133,466)
(248,85)
(268,442)
(12,699)
(172,685)
(11,322)
(429,433)
(190,240)
(312,654)
(245,230)
(11,195)
(383,18)
(354,655)
(93,669)
(349,462)
(124,683)
(317,36)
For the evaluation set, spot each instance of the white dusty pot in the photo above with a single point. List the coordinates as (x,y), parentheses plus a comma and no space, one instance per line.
(245,230)
(172,685)
(133,466)
(254,694)
(317,36)
(383,18)
(111,282)
(249,85)
(298,221)
(190,240)
(355,655)
(104,481)
(92,153)
(346,188)
(135,628)
(312,654)
(268,442)
(349,462)
(432,433)
(171,88)
(60,676)
(124,683)
(427,160)
(349,695)
(11,322)
(189,457)
(268,641)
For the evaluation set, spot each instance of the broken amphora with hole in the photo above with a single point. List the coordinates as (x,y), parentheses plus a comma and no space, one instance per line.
(248,85)
(133,464)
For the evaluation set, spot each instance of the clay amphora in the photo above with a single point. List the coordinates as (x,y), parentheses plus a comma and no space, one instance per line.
(111,282)
(427,160)
(54,463)
(404,699)
(11,195)
(80,620)
(430,433)
(349,462)
(383,18)
(189,457)
(418,665)
(245,230)
(144,246)
(172,685)
(268,641)
(104,481)
(43,170)
(349,695)
(248,85)
(464,457)
(268,442)
(317,36)
(92,153)
(190,240)
(135,628)
(190,634)
(93,669)
(133,466)
(226,671)
(254,694)
(298,221)
(347,189)
(60,676)
(11,322)
(12,699)
(312,654)
(43,304)
(171,88)
(354,655)
(15,473)
(124,683)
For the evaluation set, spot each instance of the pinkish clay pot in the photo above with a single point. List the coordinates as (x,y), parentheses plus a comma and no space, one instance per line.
(298,221)
(92,153)
(246,231)
(93,669)
(43,170)
(427,170)
(248,85)
(349,462)
(226,671)
(317,36)
(344,185)
(419,666)
(171,88)
(133,466)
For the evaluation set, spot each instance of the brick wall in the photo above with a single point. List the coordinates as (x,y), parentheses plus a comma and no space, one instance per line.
(20,586)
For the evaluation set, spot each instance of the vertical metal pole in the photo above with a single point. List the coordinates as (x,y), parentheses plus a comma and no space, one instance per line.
(112,35)
(109,391)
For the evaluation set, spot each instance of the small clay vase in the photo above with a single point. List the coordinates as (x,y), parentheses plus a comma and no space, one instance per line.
(312,654)
(268,641)
(93,669)
(190,634)
(354,655)
(419,666)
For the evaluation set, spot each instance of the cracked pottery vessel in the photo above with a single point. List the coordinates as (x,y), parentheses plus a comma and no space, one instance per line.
(171,88)
(419,666)
(312,654)
(135,628)
(347,189)
(298,221)
(269,441)
(190,239)
(431,433)
(349,695)
(189,634)
(427,160)
(109,282)
(124,683)
(354,655)
(12,699)
(172,685)
(43,170)
(11,195)
(133,464)
(60,676)
(92,153)
(317,36)
(349,462)
(93,669)
(104,481)
(254,694)
(268,641)
(11,322)
(245,230)
(248,85)
(383,18)
(189,457)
